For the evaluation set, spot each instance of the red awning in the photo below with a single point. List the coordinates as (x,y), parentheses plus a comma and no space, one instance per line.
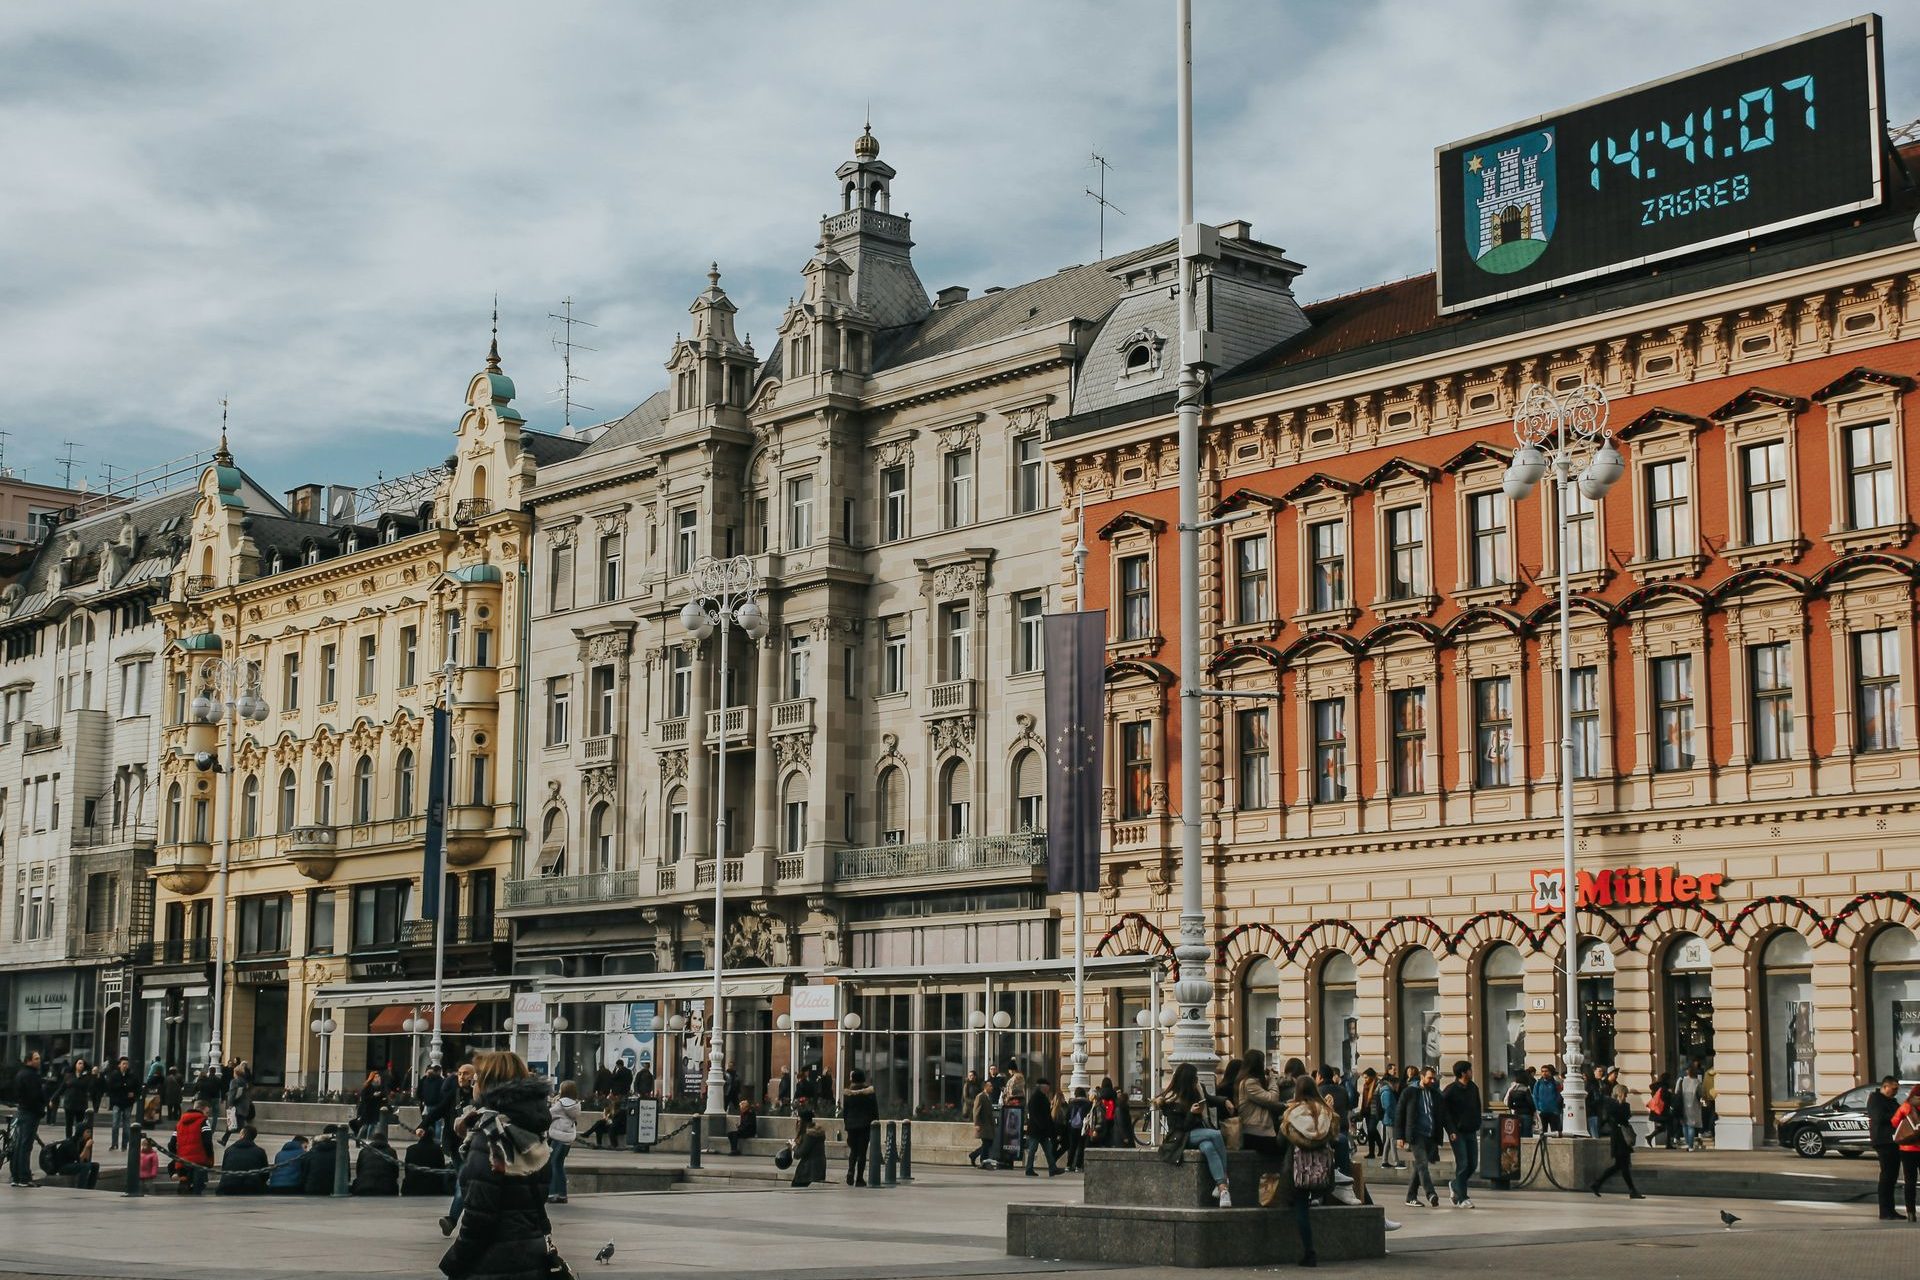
(391,1020)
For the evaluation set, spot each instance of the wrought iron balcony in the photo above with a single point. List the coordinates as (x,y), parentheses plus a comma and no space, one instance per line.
(106,835)
(38,738)
(942,857)
(472,510)
(200,584)
(573,891)
(460,932)
(173,951)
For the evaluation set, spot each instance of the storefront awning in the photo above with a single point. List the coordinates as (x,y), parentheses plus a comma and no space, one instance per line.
(378,995)
(641,987)
(391,1021)
(1104,968)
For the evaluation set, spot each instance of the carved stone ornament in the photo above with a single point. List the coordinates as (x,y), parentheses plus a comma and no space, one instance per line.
(673,765)
(1026,734)
(952,735)
(889,752)
(610,522)
(563,535)
(756,941)
(599,784)
(608,646)
(794,751)
(956,580)
(896,453)
(960,435)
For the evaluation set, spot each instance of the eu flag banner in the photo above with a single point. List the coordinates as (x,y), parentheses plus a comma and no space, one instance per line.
(436,859)
(1076,720)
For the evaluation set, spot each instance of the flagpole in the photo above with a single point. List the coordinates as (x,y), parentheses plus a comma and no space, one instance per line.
(437,832)
(1078,1080)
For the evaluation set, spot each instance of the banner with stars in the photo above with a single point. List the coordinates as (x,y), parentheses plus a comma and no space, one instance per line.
(1076,736)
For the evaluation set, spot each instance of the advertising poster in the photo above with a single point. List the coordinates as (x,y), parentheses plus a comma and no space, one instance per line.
(1906,1039)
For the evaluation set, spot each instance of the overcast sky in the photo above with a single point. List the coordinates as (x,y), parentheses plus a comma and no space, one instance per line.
(309,209)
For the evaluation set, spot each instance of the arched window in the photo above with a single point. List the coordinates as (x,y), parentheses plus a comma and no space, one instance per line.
(323,795)
(363,789)
(1597,1002)
(677,822)
(1260,1003)
(553,842)
(1503,1017)
(600,836)
(479,482)
(403,783)
(250,807)
(1688,1008)
(1339,1018)
(289,794)
(1786,1010)
(793,810)
(956,801)
(1029,792)
(1893,1000)
(1418,981)
(202,821)
(1140,357)
(176,813)
(892,806)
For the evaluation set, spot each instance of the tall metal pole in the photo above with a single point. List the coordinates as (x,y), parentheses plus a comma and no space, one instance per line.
(1192,1041)
(717,1050)
(443,747)
(1573,1089)
(1078,1080)
(229,680)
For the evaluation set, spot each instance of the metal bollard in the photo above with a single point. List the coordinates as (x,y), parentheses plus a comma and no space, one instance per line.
(341,1159)
(875,1177)
(698,1131)
(893,1156)
(133,1161)
(906,1151)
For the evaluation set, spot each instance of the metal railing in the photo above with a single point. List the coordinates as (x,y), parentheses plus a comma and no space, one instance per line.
(703,872)
(942,857)
(98,837)
(37,738)
(173,951)
(468,510)
(461,931)
(565,891)
(199,584)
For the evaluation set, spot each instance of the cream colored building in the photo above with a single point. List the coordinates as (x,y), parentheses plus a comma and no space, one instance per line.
(341,611)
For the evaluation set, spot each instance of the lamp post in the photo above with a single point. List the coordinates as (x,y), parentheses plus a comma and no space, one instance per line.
(723,598)
(437,830)
(413,1026)
(229,690)
(676,1023)
(324,1027)
(1562,432)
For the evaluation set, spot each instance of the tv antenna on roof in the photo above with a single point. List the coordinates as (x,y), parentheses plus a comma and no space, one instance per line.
(1100,198)
(66,464)
(567,346)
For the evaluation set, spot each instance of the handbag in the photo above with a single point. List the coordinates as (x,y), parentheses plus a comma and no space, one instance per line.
(783,1158)
(1907,1130)
(1312,1169)
(1230,1131)
(557,1266)
(1269,1190)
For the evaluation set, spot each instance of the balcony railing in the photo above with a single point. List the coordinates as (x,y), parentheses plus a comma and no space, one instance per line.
(789,866)
(41,739)
(469,510)
(954,697)
(573,891)
(673,733)
(703,872)
(739,725)
(668,880)
(312,838)
(790,717)
(604,749)
(941,857)
(173,951)
(104,942)
(463,931)
(199,584)
(99,837)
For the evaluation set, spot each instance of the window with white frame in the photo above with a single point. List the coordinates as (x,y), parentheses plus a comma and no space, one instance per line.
(799,513)
(797,664)
(1673,713)
(289,682)
(1029,631)
(1490,557)
(133,687)
(1327,565)
(1406,553)
(1029,792)
(956,641)
(891,797)
(1583,531)
(1255,748)
(893,655)
(1029,473)
(1876,690)
(600,707)
(451,633)
(1770,699)
(686,539)
(677,823)
(956,800)
(1136,598)
(1252,580)
(1493,731)
(1329,722)
(612,557)
(1764,500)
(559,710)
(367,684)
(794,815)
(329,673)
(1669,510)
(957,470)
(409,656)
(1585,707)
(560,577)
(679,681)
(1408,712)
(1871,500)
(893,502)
(1136,768)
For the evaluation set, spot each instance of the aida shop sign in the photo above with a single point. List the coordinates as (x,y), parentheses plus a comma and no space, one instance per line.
(1630,887)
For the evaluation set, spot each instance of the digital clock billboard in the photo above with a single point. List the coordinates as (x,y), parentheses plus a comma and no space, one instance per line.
(1768,139)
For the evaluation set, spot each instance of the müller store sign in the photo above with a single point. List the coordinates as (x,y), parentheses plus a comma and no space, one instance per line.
(1629,887)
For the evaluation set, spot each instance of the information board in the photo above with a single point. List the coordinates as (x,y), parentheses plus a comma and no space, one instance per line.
(1764,140)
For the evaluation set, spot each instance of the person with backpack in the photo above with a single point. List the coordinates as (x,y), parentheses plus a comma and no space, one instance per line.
(1307,1128)
(1183,1108)
(1906,1137)
(1418,1121)
(1520,1101)
(1460,1109)
(1548,1102)
(1386,1103)
(1079,1116)
(1660,1110)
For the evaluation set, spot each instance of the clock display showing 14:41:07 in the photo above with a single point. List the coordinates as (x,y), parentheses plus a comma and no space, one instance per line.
(1747,125)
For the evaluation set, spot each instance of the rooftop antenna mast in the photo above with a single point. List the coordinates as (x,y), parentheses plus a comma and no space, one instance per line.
(4,437)
(1100,198)
(66,464)
(567,347)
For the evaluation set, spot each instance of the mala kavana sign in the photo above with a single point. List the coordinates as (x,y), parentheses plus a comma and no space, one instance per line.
(1630,887)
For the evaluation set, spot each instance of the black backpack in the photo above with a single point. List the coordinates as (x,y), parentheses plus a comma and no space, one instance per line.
(56,1156)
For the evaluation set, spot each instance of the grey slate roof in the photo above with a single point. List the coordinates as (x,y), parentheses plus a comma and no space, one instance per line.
(545,447)
(642,423)
(157,523)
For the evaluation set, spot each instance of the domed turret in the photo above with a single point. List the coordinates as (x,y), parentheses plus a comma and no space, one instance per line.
(866,146)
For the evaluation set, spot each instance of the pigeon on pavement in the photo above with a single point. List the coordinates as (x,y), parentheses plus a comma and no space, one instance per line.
(605,1255)
(1728,1219)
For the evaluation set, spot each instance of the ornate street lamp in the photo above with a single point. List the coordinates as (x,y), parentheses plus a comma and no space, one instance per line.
(229,690)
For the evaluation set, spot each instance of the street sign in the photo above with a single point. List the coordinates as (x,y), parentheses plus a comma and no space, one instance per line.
(528,1008)
(812,1003)
(646,1119)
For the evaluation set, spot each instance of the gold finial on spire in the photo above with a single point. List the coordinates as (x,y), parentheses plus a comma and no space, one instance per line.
(493,348)
(222,455)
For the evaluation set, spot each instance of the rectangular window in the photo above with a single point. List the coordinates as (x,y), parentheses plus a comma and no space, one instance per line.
(1770,683)
(679,682)
(1329,750)
(797,674)
(559,708)
(289,684)
(409,656)
(451,631)
(180,694)
(893,503)
(1763,471)
(799,512)
(1029,473)
(1136,768)
(612,554)
(378,912)
(686,539)
(1406,553)
(956,642)
(1029,632)
(133,688)
(320,939)
(1493,731)
(1673,713)
(1136,599)
(677,829)
(1252,576)
(266,925)
(1583,532)
(959,488)
(479,774)
(1669,514)
(1586,722)
(1876,690)
(1870,478)
(560,577)
(893,655)
(1256,779)
(1327,551)
(483,646)
(796,826)
(756,525)
(369,654)
(329,673)
(1487,516)
(600,705)
(1409,711)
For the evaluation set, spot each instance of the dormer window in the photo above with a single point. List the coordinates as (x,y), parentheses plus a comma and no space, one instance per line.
(1140,359)
(393,531)
(1140,355)
(275,564)
(313,555)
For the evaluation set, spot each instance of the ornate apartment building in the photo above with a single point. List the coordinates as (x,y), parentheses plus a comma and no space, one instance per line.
(882,470)
(349,613)
(1745,741)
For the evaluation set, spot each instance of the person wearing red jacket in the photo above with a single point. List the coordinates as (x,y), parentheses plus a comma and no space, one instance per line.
(193,1148)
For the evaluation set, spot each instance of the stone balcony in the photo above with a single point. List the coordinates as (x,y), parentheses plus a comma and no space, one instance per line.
(951,698)
(739,726)
(673,733)
(603,749)
(795,716)
(313,850)
(967,860)
(596,889)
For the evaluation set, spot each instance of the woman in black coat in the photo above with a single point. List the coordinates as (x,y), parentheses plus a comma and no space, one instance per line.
(76,1095)
(1616,1122)
(373,1103)
(503,1228)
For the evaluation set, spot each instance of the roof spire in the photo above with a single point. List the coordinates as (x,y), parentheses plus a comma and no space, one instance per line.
(222,457)
(493,350)
(713,276)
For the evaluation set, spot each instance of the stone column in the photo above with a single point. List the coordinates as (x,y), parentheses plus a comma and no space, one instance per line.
(1739,1110)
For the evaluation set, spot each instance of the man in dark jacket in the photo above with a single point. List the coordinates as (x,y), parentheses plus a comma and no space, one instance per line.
(435,1098)
(620,1080)
(1460,1109)
(122,1090)
(288,1168)
(1417,1124)
(643,1083)
(377,1172)
(426,1172)
(243,1169)
(862,1108)
(30,1104)
(208,1089)
(318,1179)
(1041,1129)
(1881,1104)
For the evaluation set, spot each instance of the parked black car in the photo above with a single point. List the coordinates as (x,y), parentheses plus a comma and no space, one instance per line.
(1838,1124)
